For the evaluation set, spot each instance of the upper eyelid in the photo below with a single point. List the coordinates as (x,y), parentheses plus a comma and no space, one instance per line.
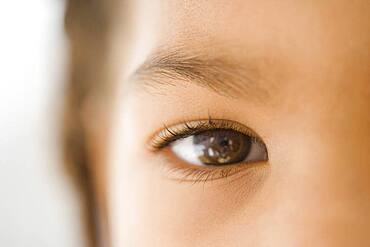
(173,132)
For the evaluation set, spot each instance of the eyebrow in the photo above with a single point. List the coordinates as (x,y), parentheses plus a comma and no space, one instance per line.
(218,74)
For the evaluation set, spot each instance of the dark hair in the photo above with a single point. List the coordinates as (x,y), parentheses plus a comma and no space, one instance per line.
(87,24)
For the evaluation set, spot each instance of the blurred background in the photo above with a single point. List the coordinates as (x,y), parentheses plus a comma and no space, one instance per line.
(38,205)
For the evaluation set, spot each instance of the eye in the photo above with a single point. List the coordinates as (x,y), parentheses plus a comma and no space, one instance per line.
(219,147)
(212,144)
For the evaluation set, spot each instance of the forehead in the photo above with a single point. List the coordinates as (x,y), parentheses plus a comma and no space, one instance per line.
(302,40)
(255,23)
(300,31)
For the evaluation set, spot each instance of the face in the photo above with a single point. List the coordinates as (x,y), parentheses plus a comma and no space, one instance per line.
(243,123)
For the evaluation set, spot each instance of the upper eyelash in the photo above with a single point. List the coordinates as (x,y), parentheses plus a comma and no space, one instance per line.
(172,133)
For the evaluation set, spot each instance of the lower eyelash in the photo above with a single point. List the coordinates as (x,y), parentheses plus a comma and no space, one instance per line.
(194,174)
(202,175)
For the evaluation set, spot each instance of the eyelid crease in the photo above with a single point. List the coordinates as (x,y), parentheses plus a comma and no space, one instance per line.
(174,132)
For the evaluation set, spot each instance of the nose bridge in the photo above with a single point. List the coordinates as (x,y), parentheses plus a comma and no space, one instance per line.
(329,158)
(320,196)
(341,139)
(327,182)
(323,180)
(327,136)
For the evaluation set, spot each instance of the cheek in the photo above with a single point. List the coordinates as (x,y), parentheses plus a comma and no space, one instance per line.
(147,203)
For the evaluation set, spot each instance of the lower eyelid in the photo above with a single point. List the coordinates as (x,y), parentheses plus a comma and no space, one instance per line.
(180,171)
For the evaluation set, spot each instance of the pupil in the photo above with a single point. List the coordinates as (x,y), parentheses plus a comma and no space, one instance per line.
(224,143)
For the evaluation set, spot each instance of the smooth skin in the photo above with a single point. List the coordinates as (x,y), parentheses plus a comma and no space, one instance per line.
(308,97)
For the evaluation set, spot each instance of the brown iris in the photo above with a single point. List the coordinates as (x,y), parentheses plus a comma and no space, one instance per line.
(219,147)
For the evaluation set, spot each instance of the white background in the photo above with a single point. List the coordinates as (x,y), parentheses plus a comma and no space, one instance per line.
(38,204)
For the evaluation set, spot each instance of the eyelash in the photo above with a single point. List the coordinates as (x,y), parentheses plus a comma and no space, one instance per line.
(185,129)
(189,173)
(197,174)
